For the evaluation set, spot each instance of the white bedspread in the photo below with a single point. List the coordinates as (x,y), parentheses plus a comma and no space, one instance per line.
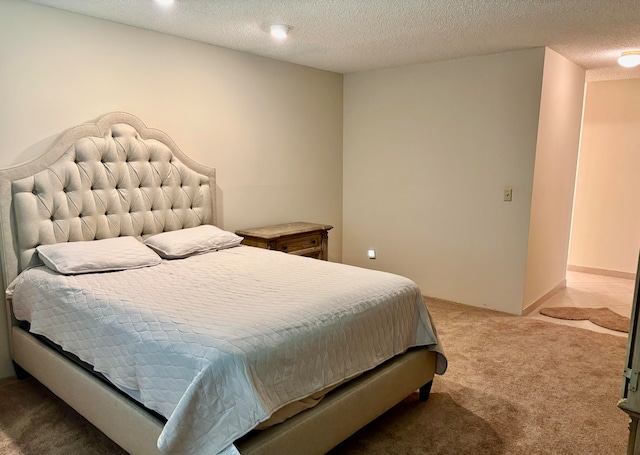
(216,343)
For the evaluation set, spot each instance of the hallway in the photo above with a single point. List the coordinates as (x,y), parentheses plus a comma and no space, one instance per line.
(588,290)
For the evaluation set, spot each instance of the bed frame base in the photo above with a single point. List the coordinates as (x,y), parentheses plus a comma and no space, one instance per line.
(315,431)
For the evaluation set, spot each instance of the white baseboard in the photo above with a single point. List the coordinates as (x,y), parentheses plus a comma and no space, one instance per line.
(531,307)
(594,271)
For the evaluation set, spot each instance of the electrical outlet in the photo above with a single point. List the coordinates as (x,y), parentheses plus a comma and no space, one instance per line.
(508,193)
(371,254)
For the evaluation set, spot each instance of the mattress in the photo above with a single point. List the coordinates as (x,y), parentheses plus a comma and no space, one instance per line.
(217,343)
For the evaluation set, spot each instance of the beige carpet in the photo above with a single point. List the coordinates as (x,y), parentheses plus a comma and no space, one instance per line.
(33,421)
(514,386)
(604,317)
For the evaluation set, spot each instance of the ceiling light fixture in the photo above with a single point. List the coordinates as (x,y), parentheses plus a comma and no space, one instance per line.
(165,2)
(280,31)
(629,59)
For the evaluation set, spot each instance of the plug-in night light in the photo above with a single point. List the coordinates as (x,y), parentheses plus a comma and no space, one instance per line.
(280,31)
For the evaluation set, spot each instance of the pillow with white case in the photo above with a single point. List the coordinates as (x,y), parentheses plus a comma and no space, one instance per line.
(183,243)
(107,255)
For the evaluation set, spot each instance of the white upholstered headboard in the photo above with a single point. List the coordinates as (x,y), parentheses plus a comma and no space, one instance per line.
(112,177)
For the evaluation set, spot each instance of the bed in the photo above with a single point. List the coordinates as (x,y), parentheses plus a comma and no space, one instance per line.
(204,363)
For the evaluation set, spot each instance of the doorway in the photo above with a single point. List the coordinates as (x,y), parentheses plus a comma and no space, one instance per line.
(605,228)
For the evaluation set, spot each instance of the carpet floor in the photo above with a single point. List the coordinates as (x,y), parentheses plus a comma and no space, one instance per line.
(514,386)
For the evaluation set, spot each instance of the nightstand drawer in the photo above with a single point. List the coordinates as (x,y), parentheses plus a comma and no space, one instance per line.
(293,244)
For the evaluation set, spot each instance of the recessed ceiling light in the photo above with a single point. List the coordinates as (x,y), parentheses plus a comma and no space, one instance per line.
(280,31)
(165,2)
(629,59)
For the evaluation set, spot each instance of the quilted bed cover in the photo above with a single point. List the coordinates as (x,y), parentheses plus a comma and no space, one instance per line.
(218,342)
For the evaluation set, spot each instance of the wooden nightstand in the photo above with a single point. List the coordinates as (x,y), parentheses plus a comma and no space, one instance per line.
(303,239)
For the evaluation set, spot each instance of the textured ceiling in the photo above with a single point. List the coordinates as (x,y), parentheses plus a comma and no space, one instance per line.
(354,35)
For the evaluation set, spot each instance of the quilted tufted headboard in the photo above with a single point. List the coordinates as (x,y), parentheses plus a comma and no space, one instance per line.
(110,178)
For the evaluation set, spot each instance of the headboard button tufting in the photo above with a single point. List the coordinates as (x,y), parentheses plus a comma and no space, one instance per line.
(60,179)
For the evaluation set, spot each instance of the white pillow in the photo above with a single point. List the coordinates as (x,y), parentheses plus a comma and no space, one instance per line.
(106,255)
(196,240)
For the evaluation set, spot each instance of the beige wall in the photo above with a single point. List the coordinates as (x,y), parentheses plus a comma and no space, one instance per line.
(273,130)
(428,150)
(606,221)
(554,176)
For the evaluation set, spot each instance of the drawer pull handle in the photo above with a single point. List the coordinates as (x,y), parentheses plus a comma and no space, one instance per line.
(314,241)
(284,247)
